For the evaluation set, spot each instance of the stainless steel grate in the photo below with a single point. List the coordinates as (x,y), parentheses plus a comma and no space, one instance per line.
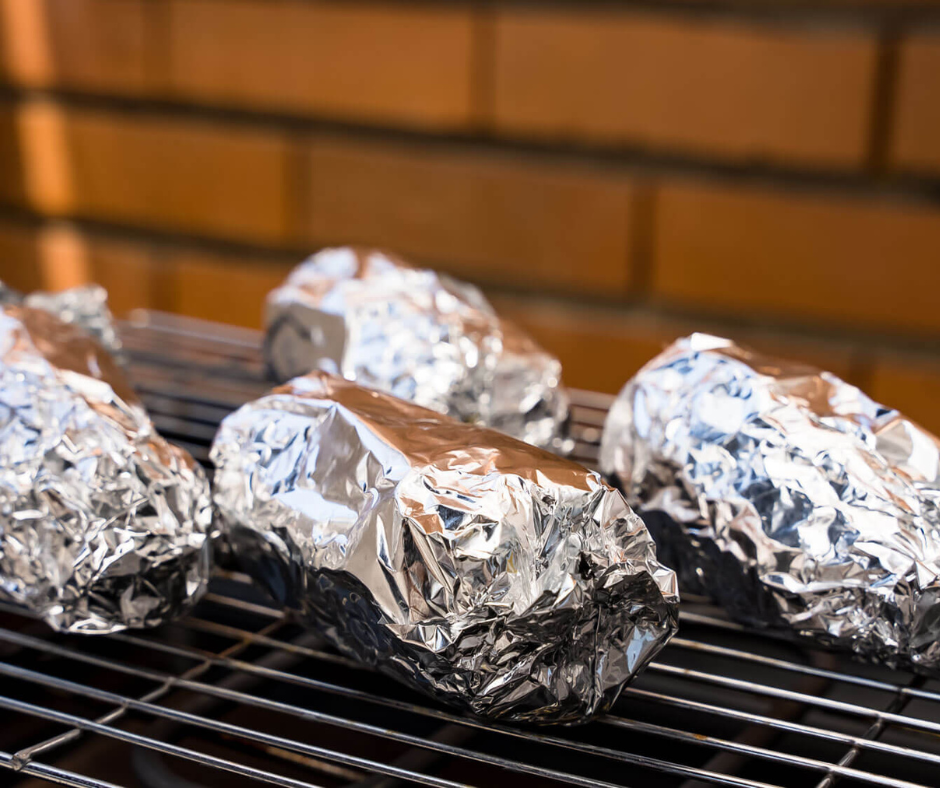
(238,694)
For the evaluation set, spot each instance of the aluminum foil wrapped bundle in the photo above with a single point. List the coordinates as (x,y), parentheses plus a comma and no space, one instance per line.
(787,495)
(103,524)
(419,335)
(9,296)
(492,575)
(85,306)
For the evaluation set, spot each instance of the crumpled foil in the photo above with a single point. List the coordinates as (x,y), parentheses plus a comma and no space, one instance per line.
(786,494)
(490,574)
(103,524)
(85,306)
(419,335)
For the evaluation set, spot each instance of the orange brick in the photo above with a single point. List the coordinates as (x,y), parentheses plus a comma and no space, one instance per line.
(597,352)
(910,385)
(398,63)
(176,174)
(481,216)
(96,45)
(12,181)
(742,91)
(71,257)
(600,349)
(915,138)
(830,259)
(57,256)
(223,288)
(19,257)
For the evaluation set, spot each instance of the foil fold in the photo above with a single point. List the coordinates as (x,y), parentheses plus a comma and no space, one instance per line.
(103,524)
(788,495)
(492,575)
(419,335)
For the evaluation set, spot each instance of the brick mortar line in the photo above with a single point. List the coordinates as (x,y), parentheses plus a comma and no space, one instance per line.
(640,249)
(863,341)
(792,13)
(884,99)
(483,66)
(631,161)
(783,11)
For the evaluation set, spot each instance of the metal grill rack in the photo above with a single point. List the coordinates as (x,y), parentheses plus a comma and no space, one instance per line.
(237,694)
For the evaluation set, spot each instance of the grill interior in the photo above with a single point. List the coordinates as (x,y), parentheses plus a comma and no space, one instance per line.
(237,694)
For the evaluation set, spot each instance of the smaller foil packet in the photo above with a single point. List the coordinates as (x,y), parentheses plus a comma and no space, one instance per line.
(85,306)
(492,575)
(419,335)
(787,495)
(103,524)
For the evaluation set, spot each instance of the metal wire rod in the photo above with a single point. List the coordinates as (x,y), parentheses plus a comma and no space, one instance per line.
(663,731)
(808,670)
(782,694)
(52,774)
(829,704)
(218,726)
(26,754)
(670,733)
(152,744)
(684,643)
(873,732)
(224,630)
(637,760)
(771,722)
(221,763)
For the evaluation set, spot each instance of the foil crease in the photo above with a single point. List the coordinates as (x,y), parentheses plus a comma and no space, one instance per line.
(85,306)
(419,335)
(103,524)
(788,495)
(492,575)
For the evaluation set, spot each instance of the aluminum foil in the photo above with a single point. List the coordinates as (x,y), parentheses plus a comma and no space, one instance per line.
(419,335)
(492,575)
(103,524)
(787,495)
(85,306)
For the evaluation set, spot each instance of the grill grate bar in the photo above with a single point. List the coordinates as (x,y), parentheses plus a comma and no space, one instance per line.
(676,642)
(772,722)
(228,728)
(710,621)
(152,744)
(809,670)
(325,686)
(670,733)
(779,693)
(638,760)
(751,687)
(52,774)
(876,729)
(27,754)
(587,749)
(740,705)
(212,627)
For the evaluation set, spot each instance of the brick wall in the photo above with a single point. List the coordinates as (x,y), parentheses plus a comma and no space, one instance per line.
(613,173)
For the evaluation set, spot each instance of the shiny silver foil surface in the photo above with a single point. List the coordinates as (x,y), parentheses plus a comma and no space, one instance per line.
(85,306)
(103,524)
(495,576)
(419,335)
(787,495)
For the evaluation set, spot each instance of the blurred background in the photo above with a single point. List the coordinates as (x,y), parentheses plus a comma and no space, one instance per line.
(615,174)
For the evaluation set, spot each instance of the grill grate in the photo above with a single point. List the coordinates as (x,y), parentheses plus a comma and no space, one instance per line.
(238,694)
